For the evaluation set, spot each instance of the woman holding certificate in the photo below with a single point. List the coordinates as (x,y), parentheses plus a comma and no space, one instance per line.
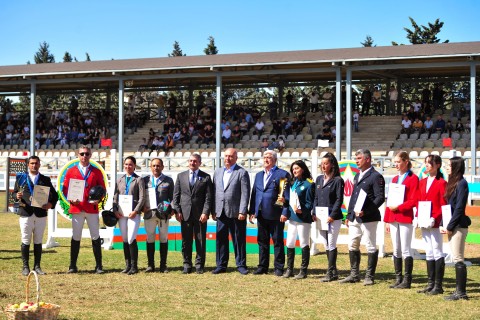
(300,217)
(328,205)
(128,202)
(402,198)
(457,227)
(431,198)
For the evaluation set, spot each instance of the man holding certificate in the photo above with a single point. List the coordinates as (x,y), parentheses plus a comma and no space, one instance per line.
(363,216)
(402,198)
(79,179)
(34,194)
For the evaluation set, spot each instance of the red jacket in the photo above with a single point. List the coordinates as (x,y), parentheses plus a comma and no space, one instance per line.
(94,179)
(404,214)
(436,194)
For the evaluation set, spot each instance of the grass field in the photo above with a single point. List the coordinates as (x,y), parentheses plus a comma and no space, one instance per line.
(226,296)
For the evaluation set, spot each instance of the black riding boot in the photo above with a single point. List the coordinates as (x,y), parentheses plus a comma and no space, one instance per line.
(97,253)
(439,272)
(74,250)
(461,288)
(431,277)
(134,257)
(305,262)
(163,257)
(371,268)
(290,262)
(128,259)
(354,268)
(150,257)
(397,264)
(328,276)
(25,249)
(37,253)
(407,280)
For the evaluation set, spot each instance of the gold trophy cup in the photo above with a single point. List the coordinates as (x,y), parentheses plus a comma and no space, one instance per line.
(281,189)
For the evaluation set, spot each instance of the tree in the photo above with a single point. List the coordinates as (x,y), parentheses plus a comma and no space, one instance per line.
(368,42)
(211,47)
(43,54)
(423,34)
(177,51)
(67,57)
(87,57)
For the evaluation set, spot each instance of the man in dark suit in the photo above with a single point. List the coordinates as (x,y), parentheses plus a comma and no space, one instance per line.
(33,216)
(270,217)
(232,192)
(192,202)
(362,218)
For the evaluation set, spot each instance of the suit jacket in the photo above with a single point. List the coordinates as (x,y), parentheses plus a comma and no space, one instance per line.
(136,189)
(164,189)
(263,198)
(194,201)
(25,209)
(330,195)
(374,185)
(436,194)
(231,199)
(305,190)
(458,202)
(404,213)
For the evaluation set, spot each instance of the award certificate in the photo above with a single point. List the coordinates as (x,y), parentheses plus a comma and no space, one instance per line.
(360,201)
(322,218)
(396,194)
(152,197)
(40,196)
(125,203)
(76,190)
(446,215)
(424,213)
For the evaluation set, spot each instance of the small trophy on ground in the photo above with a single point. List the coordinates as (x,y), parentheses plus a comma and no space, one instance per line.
(282,184)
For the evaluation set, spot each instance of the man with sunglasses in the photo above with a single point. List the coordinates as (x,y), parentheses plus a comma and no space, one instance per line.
(82,209)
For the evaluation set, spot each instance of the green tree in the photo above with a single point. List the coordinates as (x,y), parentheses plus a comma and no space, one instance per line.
(43,54)
(177,51)
(423,34)
(67,57)
(368,42)
(211,47)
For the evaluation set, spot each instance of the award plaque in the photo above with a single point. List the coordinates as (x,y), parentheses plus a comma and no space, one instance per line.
(281,189)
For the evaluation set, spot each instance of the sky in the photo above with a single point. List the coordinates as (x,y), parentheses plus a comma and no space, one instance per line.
(119,29)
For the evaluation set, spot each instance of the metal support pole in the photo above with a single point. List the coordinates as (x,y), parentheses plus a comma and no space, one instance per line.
(338,111)
(473,111)
(348,108)
(218,129)
(33,93)
(121,126)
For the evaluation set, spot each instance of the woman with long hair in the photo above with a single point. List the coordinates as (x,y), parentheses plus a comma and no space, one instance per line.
(300,217)
(128,202)
(432,189)
(399,220)
(329,194)
(457,228)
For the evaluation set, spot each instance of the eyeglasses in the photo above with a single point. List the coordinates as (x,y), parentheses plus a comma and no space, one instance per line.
(86,154)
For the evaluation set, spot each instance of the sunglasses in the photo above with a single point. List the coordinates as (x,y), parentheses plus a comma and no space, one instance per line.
(86,154)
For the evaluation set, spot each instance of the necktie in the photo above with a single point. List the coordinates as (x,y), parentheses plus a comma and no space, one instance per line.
(192,179)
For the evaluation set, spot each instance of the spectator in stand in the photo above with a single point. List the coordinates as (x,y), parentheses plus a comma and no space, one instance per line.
(438,96)
(366,98)
(459,127)
(417,106)
(326,133)
(287,126)
(176,135)
(427,108)
(329,119)
(259,127)
(411,114)
(377,102)
(184,136)
(327,100)
(209,134)
(426,93)
(393,95)
(226,135)
(314,97)
(273,109)
(199,101)
(440,125)
(289,99)
(281,144)
(277,127)
(417,125)
(305,101)
(264,144)
(356,118)
(449,128)
(406,125)
(273,145)
(172,105)
(296,127)
(428,126)
(169,143)
(249,119)
(236,134)
(243,126)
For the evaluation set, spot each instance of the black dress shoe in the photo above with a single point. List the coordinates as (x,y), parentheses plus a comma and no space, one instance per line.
(260,271)
(218,271)
(186,270)
(72,269)
(278,272)
(199,271)
(242,270)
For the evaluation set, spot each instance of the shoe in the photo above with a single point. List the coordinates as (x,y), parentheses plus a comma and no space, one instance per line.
(37,252)
(260,271)
(199,271)
(278,272)
(150,269)
(187,270)
(354,268)
(25,249)
(461,283)
(371,268)
(242,270)
(72,269)
(218,270)
(97,253)
(398,266)
(99,270)
(430,276)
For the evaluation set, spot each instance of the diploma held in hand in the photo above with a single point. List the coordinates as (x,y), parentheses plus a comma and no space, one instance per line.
(40,196)
(76,190)
(446,215)
(424,213)
(152,197)
(125,203)
(360,201)
(396,194)
(322,218)
(294,201)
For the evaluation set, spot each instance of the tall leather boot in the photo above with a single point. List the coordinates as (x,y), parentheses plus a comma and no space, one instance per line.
(439,272)
(25,249)
(354,268)
(430,276)
(328,276)
(371,268)
(134,257)
(163,257)
(407,280)
(332,259)
(290,262)
(37,253)
(74,250)
(128,259)
(461,279)
(97,253)
(150,257)
(397,264)
(305,262)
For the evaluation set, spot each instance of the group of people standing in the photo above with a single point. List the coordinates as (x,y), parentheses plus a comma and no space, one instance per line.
(277,196)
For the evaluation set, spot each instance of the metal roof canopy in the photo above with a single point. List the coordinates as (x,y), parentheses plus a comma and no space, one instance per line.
(339,65)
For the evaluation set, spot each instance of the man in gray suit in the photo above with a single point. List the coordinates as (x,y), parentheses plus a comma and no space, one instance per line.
(232,191)
(192,203)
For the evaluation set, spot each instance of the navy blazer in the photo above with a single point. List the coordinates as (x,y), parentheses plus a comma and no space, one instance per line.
(263,199)
(305,190)
(330,195)
(373,184)
(25,209)
(458,202)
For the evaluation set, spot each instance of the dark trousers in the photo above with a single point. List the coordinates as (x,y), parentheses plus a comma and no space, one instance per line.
(194,229)
(267,229)
(238,231)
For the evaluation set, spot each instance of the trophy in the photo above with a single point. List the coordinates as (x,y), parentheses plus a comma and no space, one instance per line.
(22,180)
(281,189)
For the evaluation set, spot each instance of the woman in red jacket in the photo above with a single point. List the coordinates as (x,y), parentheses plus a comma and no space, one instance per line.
(433,189)
(399,220)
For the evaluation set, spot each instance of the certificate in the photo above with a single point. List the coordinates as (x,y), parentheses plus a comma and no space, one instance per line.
(125,203)
(360,201)
(76,190)
(446,215)
(424,213)
(40,196)
(294,201)
(396,194)
(322,218)
(152,197)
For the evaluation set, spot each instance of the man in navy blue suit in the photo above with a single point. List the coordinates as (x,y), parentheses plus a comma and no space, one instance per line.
(270,217)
